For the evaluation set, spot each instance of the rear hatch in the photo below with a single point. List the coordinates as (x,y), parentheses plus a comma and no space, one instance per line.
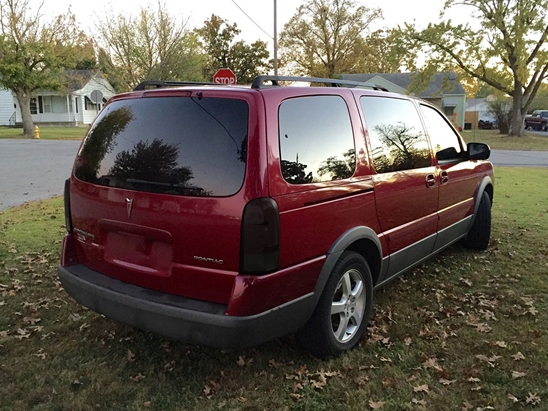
(156,193)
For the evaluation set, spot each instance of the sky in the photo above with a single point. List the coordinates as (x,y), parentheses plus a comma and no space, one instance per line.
(260,11)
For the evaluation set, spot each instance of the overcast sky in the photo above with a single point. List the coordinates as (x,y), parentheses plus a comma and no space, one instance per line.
(260,11)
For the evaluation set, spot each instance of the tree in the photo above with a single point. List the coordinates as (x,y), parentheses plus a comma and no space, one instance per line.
(247,61)
(327,37)
(34,54)
(501,109)
(509,50)
(152,46)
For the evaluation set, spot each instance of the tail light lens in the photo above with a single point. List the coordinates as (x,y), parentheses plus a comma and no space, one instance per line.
(68,217)
(260,246)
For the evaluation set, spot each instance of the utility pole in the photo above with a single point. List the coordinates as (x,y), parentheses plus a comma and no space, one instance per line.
(275,39)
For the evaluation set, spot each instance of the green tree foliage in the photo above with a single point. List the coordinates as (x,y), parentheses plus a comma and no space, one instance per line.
(34,53)
(218,39)
(152,46)
(328,37)
(508,50)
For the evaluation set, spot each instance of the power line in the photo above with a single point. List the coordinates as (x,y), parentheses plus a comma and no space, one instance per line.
(253,21)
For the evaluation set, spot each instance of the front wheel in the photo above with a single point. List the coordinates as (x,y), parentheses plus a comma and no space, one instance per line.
(342,314)
(480,232)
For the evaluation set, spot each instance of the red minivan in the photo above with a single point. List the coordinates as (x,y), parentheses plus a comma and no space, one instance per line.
(229,216)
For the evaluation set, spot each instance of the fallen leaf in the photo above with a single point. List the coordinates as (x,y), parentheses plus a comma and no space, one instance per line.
(533,399)
(147,404)
(361,380)
(275,364)
(474,379)
(512,398)
(466,281)
(376,405)
(443,381)
(407,341)
(137,378)
(466,406)
(518,356)
(518,374)
(501,344)
(419,402)
(242,361)
(421,388)
(130,356)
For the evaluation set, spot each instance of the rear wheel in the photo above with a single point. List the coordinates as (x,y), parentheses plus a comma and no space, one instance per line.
(543,127)
(343,311)
(480,232)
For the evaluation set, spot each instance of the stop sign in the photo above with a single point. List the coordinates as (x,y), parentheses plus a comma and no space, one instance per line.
(224,76)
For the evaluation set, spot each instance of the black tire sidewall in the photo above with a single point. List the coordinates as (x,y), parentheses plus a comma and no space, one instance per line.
(349,260)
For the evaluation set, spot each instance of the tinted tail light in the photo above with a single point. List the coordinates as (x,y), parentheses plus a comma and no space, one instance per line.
(260,245)
(68,217)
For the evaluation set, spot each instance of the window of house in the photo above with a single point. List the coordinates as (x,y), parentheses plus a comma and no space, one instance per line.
(316,140)
(89,105)
(445,141)
(59,104)
(33,105)
(397,137)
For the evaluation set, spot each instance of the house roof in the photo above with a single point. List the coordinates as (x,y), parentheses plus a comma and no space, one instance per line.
(77,79)
(442,83)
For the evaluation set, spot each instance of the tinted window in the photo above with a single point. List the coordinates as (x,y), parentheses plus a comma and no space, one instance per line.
(171,145)
(445,142)
(316,140)
(397,137)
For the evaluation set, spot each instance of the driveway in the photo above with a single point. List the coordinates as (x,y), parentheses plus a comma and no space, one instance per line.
(36,169)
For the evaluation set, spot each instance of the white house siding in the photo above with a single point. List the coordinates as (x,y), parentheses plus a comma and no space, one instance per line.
(97,83)
(71,109)
(6,106)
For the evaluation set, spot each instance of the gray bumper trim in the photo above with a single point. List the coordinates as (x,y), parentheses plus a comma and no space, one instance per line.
(185,319)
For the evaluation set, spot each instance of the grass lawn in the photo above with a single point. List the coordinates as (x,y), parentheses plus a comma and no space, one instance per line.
(466,331)
(47,133)
(529,141)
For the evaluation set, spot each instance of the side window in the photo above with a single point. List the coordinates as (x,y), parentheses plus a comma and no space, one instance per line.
(396,133)
(445,142)
(316,140)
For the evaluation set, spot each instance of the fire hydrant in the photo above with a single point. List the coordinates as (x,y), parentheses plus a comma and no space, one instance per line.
(36,132)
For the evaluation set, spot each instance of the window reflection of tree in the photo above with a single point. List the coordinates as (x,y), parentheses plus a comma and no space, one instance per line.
(100,141)
(294,172)
(154,166)
(337,168)
(403,148)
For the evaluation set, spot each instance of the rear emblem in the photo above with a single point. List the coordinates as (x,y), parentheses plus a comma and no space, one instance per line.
(129,206)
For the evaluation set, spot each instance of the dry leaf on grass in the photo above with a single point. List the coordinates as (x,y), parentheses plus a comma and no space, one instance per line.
(376,405)
(421,388)
(518,374)
(533,399)
(518,356)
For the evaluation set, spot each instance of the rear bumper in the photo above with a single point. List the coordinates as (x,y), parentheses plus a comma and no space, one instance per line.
(188,320)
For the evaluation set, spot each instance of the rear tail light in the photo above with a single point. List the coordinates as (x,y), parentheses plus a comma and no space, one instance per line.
(260,246)
(68,217)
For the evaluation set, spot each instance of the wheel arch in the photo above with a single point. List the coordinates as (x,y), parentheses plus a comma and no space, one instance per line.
(362,240)
(486,186)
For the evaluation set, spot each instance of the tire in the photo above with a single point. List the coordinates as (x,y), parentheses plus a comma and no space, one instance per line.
(342,313)
(543,127)
(480,232)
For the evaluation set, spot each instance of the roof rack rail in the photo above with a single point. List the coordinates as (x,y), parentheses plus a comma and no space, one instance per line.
(259,81)
(152,84)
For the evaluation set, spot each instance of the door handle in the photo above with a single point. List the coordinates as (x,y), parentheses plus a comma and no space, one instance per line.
(444,177)
(430,180)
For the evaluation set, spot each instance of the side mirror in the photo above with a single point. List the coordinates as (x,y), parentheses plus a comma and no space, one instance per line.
(478,151)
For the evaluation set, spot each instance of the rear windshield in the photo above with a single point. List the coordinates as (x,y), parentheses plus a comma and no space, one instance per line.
(171,145)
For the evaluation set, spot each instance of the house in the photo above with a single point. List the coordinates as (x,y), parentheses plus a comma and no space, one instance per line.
(444,91)
(477,110)
(85,94)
